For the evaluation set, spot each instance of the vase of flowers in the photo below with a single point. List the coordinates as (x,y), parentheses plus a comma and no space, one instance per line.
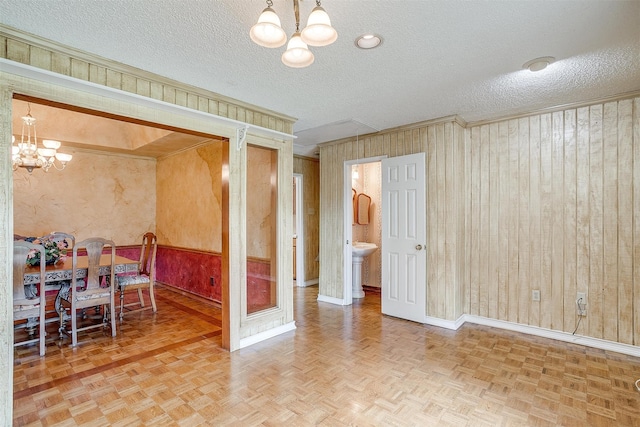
(54,251)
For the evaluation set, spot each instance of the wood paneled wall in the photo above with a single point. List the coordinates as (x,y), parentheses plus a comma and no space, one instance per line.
(555,207)
(547,202)
(41,53)
(443,141)
(310,169)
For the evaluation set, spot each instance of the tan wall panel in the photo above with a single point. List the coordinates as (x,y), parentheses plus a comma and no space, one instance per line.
(189,199)
(596,257)
(582,209)
(444,243)
(625,222)
(535,241)
(570,219)
(96,195)
(635,298)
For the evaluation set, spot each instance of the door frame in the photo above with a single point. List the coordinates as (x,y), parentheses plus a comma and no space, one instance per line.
(300,243)
(347,221)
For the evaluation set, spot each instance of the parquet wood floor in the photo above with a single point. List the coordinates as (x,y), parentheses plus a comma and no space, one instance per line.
(343,366)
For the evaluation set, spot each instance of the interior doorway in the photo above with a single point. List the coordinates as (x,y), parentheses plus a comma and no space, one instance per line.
(298,231)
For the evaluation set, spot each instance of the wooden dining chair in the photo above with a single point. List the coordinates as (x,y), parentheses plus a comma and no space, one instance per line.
(87,289)
(59,236)
(70,242)
(29,301)
(144,279)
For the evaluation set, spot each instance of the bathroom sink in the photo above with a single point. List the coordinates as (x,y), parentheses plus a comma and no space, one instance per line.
(363,249)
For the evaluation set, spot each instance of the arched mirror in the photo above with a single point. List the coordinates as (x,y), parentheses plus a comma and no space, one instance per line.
(363,205)
(354,203)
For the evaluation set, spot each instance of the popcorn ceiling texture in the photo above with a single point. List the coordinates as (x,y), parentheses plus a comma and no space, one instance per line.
(437,58)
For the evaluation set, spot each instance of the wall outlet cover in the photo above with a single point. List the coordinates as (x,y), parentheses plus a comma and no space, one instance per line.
(535,295)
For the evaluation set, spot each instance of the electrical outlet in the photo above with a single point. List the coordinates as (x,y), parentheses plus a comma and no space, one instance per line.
(212,281)
(535,295)
(581,303)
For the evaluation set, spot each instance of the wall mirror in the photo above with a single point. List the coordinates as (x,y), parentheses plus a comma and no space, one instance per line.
(354,209)
(363,204)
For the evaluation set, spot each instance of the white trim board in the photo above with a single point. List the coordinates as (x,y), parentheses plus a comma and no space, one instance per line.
(601,344)
(311,282)
(331,300)
(262,336)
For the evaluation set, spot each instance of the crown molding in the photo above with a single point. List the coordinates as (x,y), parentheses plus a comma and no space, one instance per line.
(40,42)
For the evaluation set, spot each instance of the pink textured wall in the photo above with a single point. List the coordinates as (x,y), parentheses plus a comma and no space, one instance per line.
(190,271)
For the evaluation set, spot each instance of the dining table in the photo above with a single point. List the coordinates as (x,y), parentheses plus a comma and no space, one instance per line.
(57,277)
(63,270)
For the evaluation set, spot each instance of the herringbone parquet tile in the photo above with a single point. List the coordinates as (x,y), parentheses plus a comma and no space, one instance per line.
(343,366)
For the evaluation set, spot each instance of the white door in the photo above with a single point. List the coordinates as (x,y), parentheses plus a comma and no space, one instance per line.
(404,236)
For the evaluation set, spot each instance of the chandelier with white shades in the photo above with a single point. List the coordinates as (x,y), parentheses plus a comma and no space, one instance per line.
(26,153)
(269,33)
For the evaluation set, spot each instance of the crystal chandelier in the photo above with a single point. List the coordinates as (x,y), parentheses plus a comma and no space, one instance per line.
(26,154)
(269,33)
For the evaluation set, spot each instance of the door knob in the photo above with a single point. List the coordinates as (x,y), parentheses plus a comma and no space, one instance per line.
(418,247)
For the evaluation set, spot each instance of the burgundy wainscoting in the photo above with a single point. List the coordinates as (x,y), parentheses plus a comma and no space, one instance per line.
(190,270)
(131,252)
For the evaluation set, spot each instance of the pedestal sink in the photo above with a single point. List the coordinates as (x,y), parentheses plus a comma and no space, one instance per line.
(359,250)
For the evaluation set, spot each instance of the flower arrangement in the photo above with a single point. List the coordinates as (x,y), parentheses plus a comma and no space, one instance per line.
(54,251)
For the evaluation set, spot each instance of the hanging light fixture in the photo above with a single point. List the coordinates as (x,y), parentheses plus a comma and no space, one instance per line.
(268,32)
(26,154)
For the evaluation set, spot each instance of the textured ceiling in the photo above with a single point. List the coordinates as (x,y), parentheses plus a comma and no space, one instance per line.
(438,58)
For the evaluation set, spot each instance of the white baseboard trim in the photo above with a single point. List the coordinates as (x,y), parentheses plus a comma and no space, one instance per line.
(308,283)
(331,300)
(628,349)
(254,339)
(443,323)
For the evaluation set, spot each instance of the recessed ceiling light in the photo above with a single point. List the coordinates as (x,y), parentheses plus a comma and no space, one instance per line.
(368,41)
(538,64)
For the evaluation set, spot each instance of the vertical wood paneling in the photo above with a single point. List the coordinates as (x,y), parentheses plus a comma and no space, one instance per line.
(636,221)
(40,58)
(494,208)
(582,210)
(512,224)
(432,223)
(535,237)
(567,221)
(6,288)
(596,258)
(546,205)
(474,222)
(18,51)
(483,270)
(503,218)
(61,63)
(444,144)
(610,220)
(457,288)
(440,199)
(557,221)
(569,237)
(451,220)
(524,275)
(625,222)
